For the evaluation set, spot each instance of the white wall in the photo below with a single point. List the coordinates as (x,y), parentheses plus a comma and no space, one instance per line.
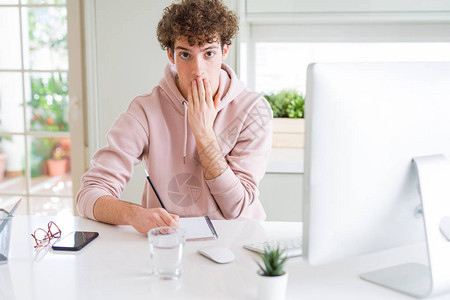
(282,196)
(130,62)
(129,59)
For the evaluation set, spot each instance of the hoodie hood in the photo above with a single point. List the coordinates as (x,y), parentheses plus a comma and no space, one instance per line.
(229,87)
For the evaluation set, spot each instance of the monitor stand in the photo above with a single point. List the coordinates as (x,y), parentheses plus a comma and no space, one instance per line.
(416,279)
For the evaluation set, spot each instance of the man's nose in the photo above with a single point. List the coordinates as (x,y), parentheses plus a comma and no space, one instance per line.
(198,68)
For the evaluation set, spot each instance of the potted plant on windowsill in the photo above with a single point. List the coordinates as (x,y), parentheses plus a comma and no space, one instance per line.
(58,164)
(288,124)
(49,107)
(272,278)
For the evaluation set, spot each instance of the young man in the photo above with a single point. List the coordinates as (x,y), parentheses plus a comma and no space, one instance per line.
(204,138)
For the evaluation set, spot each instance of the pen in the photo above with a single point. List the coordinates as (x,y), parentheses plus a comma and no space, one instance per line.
(154,189)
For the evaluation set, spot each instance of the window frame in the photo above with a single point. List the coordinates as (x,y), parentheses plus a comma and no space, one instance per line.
(336,32)
(75,114)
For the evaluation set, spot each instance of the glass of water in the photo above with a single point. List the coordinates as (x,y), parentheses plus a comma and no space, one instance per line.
(166,251)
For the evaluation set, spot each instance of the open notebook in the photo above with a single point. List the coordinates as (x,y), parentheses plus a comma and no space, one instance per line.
(198,228)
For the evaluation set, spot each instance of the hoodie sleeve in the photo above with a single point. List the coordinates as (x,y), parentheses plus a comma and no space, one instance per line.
(112,166)
(236,189)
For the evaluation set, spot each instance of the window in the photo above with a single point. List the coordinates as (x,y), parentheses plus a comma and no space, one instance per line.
(274,72)
(35,137)
(275,55)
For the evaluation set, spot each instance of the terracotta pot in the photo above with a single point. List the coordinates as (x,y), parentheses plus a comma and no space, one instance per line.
(57,167)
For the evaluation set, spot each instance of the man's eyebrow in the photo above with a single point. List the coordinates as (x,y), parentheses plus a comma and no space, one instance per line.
(182,48)
(211,47)
(205,49)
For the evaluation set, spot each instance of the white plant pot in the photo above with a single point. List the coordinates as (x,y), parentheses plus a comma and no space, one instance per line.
(272,287)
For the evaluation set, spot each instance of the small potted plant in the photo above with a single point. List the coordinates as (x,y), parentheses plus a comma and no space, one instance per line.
(57,165)
(287,103)
(288,123)
(272,279)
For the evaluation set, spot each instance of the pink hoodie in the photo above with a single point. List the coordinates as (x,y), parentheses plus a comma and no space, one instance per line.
(155,129)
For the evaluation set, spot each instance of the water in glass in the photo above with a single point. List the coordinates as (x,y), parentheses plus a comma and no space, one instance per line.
(166,251)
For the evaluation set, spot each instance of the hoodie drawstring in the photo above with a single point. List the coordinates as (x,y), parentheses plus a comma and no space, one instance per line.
(185,104)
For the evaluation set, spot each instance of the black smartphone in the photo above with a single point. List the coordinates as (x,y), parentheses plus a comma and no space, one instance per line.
(75,241)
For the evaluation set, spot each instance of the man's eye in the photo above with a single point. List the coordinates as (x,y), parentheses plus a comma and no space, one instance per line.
(184,55)
(210,53)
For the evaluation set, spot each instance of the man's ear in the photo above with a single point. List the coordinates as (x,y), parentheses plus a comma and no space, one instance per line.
(170,55)
(226,49)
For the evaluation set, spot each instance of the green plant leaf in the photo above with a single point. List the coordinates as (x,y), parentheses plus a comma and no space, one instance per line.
(274,260)
(262,268)
(287,103)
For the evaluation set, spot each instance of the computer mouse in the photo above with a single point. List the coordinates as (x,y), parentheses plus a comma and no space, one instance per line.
(218,254)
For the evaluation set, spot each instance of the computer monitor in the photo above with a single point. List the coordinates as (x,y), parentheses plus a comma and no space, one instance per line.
(365,122)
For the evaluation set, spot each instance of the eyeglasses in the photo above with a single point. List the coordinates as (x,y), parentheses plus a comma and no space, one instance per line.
(42,237)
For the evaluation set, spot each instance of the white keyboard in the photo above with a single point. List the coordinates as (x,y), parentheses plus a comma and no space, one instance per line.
(291,246)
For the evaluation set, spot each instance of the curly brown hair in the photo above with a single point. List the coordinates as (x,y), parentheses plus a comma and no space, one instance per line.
(201,21)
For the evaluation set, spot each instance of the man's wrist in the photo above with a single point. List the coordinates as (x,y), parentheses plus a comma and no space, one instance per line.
(131,212)
(205,137)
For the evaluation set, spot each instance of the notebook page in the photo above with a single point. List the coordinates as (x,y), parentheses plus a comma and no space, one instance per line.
(196,228)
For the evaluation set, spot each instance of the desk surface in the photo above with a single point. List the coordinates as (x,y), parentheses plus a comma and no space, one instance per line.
(116,266)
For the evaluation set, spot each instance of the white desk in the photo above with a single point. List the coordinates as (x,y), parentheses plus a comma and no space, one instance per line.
(116,264)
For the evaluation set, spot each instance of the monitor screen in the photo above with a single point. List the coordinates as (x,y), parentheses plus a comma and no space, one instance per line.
(364,124)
